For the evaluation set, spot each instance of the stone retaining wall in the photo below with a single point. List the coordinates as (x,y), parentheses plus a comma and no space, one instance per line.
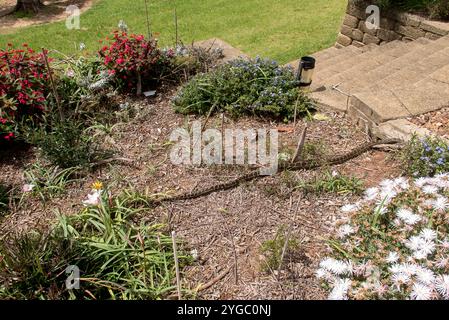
(393,26)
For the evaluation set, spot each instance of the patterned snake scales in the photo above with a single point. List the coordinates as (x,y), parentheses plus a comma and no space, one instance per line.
(299,165)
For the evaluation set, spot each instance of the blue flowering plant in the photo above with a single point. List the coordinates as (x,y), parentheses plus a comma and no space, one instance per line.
(426,156)
(255,86)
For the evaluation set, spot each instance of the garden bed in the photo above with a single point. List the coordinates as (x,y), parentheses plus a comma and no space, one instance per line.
(225,224)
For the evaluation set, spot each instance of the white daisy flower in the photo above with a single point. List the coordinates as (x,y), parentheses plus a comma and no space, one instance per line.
(402,183)
(421,292)
(380,288)
(442,263)
(396,268)
(387,184)
(420,182)
(380,209)
(430,190)
(445,243)
(337,267)
(419,255)
(408,216)
(400,279)
(350,207)
(414,243)
(387,195)
(442,285)
(425,276)
(345,230)
(392,257)
(440,203)
(340,290)
(428,234)
(323,274)
(371,194)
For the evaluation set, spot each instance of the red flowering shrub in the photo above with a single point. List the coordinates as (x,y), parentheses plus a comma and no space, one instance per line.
(133,60)
(24,83)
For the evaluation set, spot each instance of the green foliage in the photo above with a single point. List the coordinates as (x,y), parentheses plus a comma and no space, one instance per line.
(425,156)
(117,258)
(272,249)
(4,197)
(66,144)
(438,9)
(32,266)
(48,182)
(259,87)
(79,79)
(333,183)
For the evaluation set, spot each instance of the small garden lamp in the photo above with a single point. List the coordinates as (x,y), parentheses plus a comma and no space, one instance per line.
(305,71)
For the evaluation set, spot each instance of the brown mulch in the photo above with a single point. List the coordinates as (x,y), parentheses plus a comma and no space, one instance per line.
(436,121)
(226,228)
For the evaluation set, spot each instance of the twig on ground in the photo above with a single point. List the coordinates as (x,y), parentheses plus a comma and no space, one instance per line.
(299,150)
(106,161)
(55,92)
(175,253)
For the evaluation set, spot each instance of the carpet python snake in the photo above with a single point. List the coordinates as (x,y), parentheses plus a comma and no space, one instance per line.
(299,165)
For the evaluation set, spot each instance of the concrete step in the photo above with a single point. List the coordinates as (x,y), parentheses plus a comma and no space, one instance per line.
(404,70)
(332,55)
(335,68)
(344,54)
(414,61)
(362,64)
(380,104)
(419,70)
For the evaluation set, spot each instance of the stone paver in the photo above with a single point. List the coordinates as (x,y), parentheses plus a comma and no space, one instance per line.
(386,83)
(229,51)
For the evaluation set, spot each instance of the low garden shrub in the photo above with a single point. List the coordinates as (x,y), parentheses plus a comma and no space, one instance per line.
(258,86)
(394,245)
(117,257)
(24,85)
(66,143)
(134,61)
(425,156)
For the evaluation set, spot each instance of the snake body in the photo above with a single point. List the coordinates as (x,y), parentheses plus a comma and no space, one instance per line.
(299,165)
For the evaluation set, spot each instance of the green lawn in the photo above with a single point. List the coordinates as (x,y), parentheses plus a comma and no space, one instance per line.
(279,29)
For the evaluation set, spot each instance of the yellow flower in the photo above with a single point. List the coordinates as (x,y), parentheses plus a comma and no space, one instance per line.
(97,185)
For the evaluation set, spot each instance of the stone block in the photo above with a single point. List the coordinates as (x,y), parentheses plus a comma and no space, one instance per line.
(344,40)
(347,31)
(358,44)
(388,35)
(368,39)
(351,21)
(357,35)
(432,36)
(409,31)
(407,19)
(435,27)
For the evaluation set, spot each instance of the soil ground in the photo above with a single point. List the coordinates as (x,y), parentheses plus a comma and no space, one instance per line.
(437,122)
(54,11)
(226,228)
